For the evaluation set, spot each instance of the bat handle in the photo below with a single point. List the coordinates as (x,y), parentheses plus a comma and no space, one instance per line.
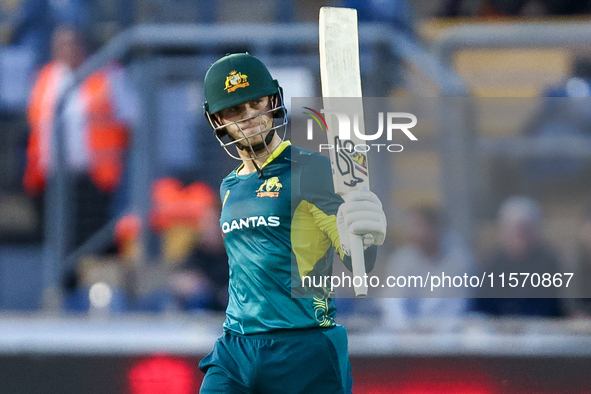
(358,264)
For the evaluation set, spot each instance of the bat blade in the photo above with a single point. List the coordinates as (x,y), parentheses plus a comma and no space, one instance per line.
(339,52)
(341,91)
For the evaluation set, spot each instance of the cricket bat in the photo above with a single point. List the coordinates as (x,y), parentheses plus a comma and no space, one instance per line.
(341,91)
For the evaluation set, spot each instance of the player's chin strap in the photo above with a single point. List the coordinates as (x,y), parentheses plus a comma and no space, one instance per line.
(261,145)
(264,145)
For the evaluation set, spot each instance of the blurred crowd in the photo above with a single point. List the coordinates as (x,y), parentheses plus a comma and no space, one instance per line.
(520,247)
(93,141)
(85,130)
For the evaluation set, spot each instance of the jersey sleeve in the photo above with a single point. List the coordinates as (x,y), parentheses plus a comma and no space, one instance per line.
(317,188)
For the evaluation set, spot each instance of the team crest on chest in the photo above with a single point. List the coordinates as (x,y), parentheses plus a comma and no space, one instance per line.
(270,188)
(235,81)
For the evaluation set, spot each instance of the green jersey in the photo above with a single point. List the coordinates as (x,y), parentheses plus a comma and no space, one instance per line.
(277,228)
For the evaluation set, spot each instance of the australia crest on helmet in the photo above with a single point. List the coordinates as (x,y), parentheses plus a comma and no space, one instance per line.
(235,81)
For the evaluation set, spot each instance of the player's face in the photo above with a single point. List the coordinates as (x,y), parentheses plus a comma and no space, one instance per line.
(248,122)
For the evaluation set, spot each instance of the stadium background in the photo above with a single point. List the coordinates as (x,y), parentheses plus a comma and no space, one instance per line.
(134,327)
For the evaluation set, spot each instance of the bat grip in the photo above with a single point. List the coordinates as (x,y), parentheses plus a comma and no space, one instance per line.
(358,264)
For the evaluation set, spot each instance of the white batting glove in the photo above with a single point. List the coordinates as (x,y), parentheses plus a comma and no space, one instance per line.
(361,214)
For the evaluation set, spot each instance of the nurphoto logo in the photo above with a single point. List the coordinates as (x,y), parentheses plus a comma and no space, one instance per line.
(395,121)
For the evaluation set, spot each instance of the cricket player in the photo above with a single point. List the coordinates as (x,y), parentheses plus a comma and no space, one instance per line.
(281,221)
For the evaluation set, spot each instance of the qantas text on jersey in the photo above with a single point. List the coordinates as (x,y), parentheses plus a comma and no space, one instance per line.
(250,222)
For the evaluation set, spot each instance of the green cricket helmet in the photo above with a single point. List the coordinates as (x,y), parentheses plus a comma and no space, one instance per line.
(236,79)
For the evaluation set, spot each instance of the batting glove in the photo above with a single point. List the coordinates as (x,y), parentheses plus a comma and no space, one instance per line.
(361,214)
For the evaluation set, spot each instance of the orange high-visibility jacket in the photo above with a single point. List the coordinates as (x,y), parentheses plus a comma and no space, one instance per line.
(105,136)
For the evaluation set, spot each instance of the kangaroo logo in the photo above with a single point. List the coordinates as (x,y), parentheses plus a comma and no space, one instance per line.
(350,162)
(270,188)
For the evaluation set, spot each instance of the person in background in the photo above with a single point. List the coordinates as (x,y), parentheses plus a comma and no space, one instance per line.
(522,249)
(97,118)
(193,271)
(430,248)
(209,258)
(186,219)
